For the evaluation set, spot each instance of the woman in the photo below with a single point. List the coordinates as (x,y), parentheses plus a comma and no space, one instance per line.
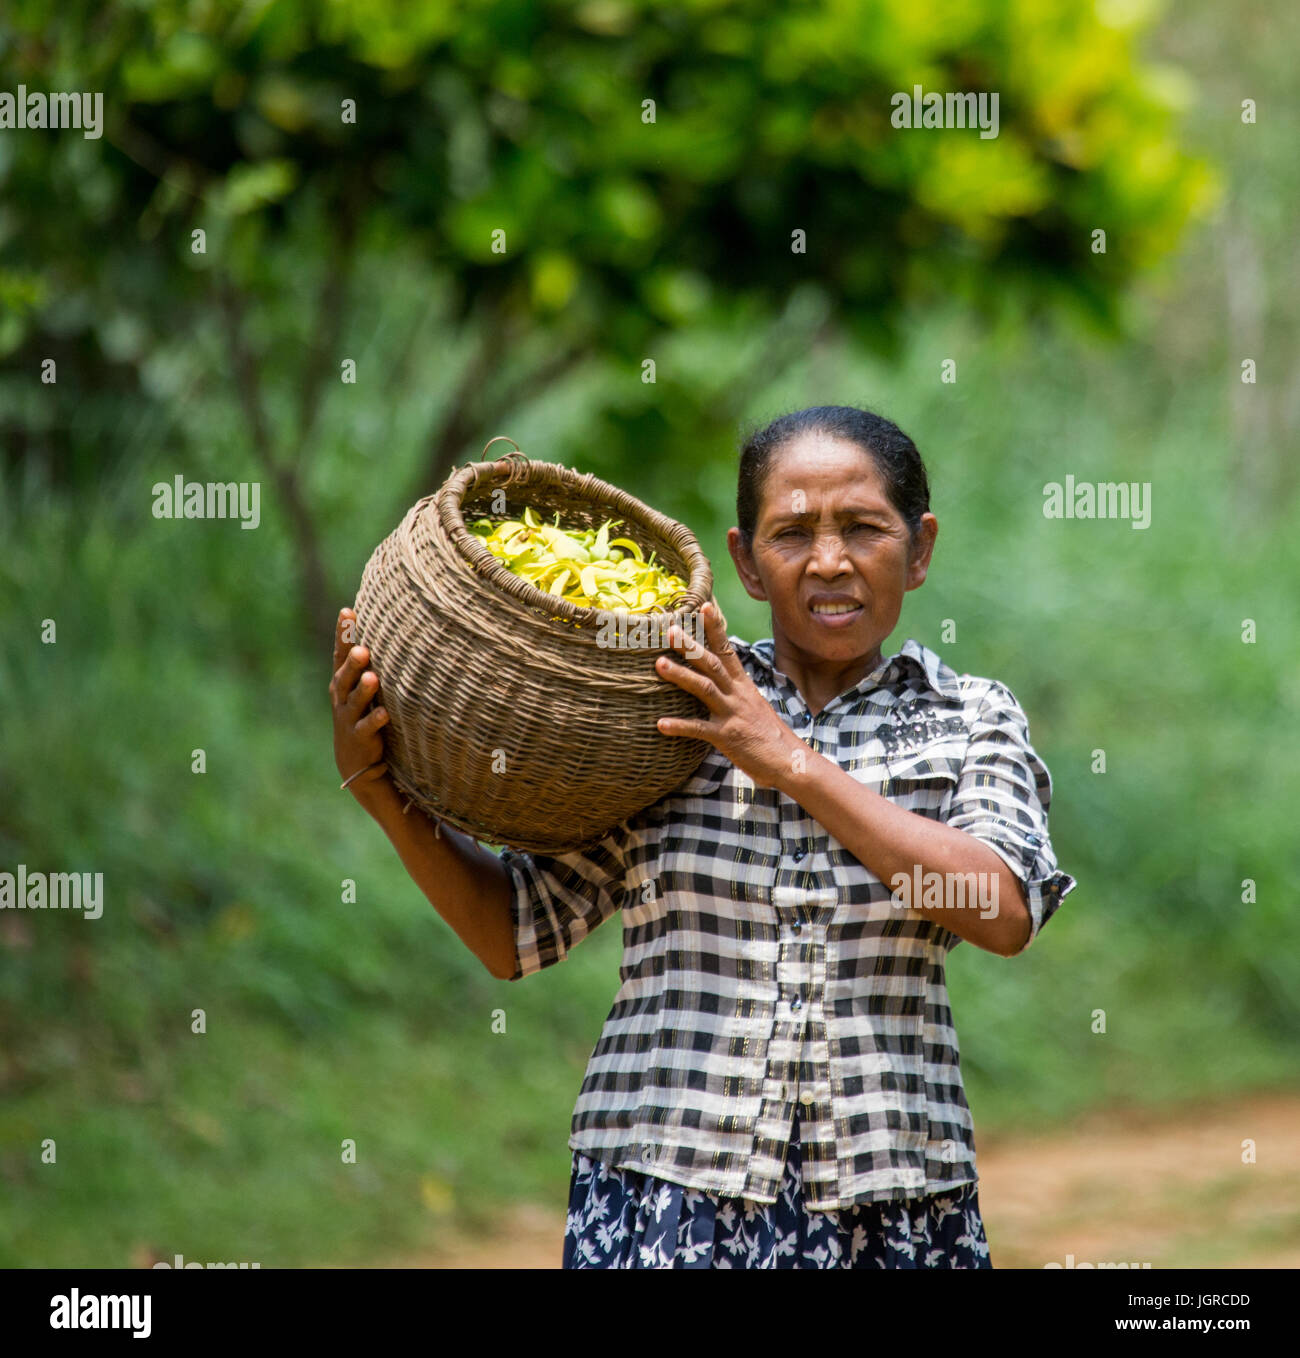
(777,1084)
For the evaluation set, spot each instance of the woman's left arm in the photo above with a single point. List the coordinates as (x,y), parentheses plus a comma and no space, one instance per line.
(902,846)
(891,842)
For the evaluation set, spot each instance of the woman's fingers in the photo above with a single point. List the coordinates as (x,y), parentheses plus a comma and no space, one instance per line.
(700,658)
(350,666)
(685,726)
(707,672)
(715,628)
(689,679)
(344,635)
(365,690)
(369,724)
(692,647)
(726,663)
(358,742)
(345,687)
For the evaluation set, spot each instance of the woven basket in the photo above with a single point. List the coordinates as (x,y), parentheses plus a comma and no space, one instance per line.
(510,714)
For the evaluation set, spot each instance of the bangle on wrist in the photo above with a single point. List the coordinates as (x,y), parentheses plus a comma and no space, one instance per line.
(359,772)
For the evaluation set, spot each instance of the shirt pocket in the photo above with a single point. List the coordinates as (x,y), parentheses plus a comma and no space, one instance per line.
(923,778)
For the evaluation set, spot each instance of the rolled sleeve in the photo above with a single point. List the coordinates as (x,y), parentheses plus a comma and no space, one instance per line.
(559,900)
(1002,798)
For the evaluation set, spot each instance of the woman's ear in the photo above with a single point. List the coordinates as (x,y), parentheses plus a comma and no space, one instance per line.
(922,548)
(745,568)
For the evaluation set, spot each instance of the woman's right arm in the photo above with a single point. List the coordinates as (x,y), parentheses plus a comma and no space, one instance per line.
(465,883)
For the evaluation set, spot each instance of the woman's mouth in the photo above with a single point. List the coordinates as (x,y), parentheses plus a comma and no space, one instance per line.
(838,614)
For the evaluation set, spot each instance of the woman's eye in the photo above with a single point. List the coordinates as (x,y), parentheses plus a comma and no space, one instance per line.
(796,531)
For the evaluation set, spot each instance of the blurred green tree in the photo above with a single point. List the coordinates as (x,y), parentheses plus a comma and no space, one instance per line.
(585,178)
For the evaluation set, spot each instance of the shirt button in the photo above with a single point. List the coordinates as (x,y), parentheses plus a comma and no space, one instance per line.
(796,926)
(798,855)
(796,1004)
(806,1098)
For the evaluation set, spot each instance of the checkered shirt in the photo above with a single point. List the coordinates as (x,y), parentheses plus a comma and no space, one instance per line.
(764,964)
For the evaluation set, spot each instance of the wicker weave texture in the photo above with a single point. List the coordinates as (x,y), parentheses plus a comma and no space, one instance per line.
(510,714)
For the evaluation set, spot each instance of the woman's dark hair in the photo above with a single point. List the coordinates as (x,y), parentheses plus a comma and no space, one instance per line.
(894,454)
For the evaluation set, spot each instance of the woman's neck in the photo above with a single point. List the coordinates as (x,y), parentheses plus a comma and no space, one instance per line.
(819,680)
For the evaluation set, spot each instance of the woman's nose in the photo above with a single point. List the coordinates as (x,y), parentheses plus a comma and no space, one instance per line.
(828,555)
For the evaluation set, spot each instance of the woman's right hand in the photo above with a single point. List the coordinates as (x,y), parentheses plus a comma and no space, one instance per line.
(357,739)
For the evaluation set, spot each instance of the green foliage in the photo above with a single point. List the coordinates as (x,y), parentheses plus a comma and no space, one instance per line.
(527,120)
(224,891)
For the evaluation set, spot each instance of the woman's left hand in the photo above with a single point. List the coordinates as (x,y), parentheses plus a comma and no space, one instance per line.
(742,723)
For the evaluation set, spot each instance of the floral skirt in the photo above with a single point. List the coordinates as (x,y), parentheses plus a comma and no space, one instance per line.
(620,1218)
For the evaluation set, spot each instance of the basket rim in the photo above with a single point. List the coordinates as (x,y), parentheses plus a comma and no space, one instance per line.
(516,468)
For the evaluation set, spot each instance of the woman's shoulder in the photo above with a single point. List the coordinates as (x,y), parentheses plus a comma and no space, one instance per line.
(752,653)
(971,690)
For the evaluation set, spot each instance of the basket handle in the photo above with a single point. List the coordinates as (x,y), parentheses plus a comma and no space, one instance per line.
(518,460)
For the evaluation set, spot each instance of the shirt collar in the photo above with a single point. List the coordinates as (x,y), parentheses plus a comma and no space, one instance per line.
(913,659)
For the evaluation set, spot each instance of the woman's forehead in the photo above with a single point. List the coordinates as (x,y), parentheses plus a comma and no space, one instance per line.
(825,456)
(835,470)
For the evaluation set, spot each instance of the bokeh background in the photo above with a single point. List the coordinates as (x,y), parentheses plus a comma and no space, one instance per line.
(327,240)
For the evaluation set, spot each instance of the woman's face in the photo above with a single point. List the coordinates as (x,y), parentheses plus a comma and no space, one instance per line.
(830,554)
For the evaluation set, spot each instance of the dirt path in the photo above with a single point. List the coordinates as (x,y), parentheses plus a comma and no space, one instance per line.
(1167,1188)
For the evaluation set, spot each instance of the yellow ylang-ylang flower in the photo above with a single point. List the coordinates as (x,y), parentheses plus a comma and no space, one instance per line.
(583,565)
